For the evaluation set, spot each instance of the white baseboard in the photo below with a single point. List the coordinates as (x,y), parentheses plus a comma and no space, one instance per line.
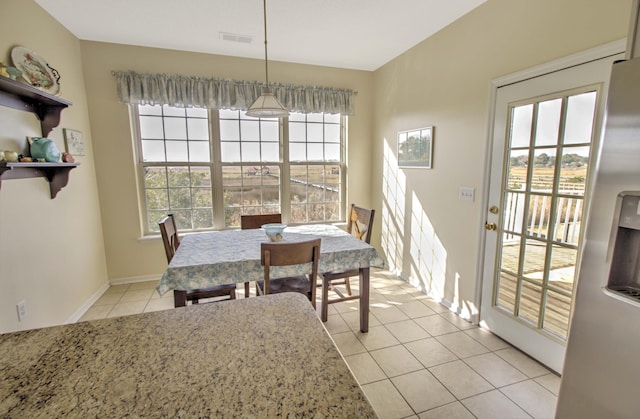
(87,304)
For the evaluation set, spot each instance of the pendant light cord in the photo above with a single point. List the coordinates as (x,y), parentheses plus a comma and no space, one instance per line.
(266,60)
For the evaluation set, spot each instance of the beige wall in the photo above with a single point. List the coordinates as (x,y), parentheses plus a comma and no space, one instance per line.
(51,250)
(429,235)
(130,258)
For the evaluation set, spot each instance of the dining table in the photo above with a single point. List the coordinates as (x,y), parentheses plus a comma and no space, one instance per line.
(233,256)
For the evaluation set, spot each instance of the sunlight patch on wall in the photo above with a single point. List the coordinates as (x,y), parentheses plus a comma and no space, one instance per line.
(394,186)
(428,255)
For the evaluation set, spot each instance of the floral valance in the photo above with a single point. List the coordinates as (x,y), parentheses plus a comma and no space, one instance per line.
(214,93)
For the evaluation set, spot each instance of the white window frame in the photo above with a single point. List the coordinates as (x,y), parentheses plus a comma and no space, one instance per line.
(216,165)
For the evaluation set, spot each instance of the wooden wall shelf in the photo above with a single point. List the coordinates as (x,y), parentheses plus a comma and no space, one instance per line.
(47,109)
(21,96)
(56,173)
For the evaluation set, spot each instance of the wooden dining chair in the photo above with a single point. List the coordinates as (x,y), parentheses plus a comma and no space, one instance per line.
(359,224)
(253,221)
(171,242)
(286,254)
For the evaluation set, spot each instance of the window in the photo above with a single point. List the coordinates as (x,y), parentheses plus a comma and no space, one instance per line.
(316,187)
(210,167)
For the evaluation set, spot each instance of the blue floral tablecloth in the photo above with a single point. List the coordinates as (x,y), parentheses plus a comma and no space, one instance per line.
(233,256)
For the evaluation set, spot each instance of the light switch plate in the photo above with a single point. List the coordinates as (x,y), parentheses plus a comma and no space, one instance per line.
(466,193)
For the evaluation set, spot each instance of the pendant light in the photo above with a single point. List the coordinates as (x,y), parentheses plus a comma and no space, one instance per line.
(267,105)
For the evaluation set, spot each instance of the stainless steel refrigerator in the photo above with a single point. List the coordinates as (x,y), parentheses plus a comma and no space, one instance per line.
(601,376)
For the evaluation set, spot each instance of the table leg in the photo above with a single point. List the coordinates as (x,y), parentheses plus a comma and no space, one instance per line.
(364,299)
(179,298)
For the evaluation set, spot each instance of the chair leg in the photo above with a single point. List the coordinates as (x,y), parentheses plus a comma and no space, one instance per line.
(347,284)
(246,290)
(179,298)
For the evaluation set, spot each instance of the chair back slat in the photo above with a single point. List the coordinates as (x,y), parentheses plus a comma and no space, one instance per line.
(170,237)
(285,254)
(360,222)
(258,220)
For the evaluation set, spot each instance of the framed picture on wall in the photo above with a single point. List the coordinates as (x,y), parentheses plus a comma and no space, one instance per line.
(415,148)
(73,142)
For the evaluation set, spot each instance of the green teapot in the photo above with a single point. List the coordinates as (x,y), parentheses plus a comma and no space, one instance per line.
(44,148)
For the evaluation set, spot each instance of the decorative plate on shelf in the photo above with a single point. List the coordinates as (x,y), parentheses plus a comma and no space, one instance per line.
(35,70)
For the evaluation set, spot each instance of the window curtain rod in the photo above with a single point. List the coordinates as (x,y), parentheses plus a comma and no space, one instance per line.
(189,91)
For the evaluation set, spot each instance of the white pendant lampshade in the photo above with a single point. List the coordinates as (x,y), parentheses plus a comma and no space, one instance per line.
(267,105)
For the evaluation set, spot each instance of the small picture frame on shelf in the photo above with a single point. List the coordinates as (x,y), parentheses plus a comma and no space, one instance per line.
(73,142)
(415,148)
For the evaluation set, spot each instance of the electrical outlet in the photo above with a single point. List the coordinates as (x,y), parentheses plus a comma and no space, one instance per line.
(466,193)
(22,310)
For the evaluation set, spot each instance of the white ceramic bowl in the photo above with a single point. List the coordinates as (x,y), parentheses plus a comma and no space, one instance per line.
(274,231)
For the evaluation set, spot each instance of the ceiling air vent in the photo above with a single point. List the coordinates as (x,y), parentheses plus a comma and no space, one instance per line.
(243,39)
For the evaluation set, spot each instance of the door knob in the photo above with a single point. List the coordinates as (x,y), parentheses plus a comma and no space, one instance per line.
(490,226)
(494,210)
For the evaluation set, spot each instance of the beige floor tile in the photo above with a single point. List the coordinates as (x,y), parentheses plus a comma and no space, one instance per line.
(487,338)
(365,368)
(118,289)
(407,331)
(495,370)
(335,324)
(108,299)
(397,295)
(551,382)
(530,367)
(155,295)
(422,390)
(419,294)
(96,312)
(533,398)
(136,295)
(348,343)
(388,314)
(387,400)
(159,304)
(126,309)
(352,319)
(436,325)
(434,305)
(455,410)
(377,298)
(430,352)
(396,360)
(492,405)
(383,282)
(415,309)
(458,321)
(145,285)
(346,306)
(378,337)
(460,379)
(462,345)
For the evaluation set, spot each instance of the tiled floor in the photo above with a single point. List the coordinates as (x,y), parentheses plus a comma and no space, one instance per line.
(418,360)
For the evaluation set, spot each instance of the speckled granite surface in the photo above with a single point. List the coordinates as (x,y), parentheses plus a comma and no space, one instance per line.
(258,357)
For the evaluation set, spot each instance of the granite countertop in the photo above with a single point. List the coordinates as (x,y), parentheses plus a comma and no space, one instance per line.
(258,357)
